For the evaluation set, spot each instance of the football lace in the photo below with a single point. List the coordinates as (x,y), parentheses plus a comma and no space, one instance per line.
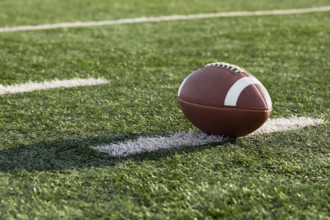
(227,66)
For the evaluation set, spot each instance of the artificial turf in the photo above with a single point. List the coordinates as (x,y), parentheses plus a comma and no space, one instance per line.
(48,171)
(34,12)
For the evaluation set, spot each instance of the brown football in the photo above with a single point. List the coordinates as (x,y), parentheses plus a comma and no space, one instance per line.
(223,99)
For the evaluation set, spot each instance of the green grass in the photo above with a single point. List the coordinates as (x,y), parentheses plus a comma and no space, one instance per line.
(22,12)
(48,171)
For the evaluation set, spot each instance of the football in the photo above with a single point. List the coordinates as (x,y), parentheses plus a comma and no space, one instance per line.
(223,99)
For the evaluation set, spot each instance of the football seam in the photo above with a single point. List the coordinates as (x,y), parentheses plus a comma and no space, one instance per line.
(224,107)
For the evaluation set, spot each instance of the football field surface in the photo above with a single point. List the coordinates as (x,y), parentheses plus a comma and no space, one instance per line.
(67,91)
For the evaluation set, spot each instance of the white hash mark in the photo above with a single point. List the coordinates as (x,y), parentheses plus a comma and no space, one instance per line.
(33,86)
(197,138)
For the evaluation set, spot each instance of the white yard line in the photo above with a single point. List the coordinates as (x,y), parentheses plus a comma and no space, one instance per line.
(196,138)
(33,86)
(164,18)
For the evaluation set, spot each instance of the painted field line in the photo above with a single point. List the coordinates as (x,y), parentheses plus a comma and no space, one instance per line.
(197,138)
(164,18)
(33,86)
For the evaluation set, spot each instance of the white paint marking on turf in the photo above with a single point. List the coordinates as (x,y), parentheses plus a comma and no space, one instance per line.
(287,124)
(197,138)
(33,86)
(164,18)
